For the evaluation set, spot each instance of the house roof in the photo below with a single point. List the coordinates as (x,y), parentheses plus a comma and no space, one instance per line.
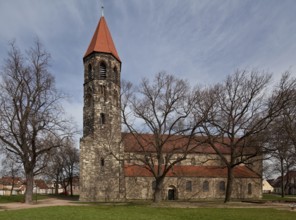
(102,41)
(40,184)
(177,143)
(192,171)
(277,182)
(8,180)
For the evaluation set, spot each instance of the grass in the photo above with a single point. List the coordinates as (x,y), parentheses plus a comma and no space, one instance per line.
(134,212)
(275,197)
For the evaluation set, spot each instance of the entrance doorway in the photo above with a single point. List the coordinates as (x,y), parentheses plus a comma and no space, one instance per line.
(172,193)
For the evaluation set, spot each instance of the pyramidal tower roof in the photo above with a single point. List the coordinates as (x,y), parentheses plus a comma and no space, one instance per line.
(102,41)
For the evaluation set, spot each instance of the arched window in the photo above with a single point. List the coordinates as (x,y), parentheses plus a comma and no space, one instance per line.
(102,162)
(115,98)
(222,186)
(103,118)
(189,186)
(103,71)
(205,186)
(89,72)
(88,100)
(103,91)
(249,188)
(193,161)
(115,74)
(88,97)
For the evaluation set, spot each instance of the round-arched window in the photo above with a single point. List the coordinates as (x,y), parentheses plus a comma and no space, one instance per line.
(115,74)
(89,72)
(103,70)
(205,186)
(222,186)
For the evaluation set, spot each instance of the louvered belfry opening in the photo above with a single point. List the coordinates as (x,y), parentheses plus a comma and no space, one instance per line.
(102,70)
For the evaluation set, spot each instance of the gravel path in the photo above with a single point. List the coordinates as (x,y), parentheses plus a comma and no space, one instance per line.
(40,203)
(63,202)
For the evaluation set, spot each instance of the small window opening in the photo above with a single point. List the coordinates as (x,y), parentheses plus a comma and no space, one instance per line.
(205,186)
(189,186)
(102,71)
(115,74)
(103,91)
(103,118)
(102,162)
(249,188)
(222,186)
(116,98)
(88,100)
(89,72)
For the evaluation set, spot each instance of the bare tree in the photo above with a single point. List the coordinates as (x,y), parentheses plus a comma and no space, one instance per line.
(237,112)
(63,165)
(281,151)
(11,168)
(31,116)
(54,169)
(70,156)
(157,116)
(282,139)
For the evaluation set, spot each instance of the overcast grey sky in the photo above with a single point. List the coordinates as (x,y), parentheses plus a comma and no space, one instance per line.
(199,40)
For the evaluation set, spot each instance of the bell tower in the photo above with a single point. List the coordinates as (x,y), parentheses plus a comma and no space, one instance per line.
(100,171)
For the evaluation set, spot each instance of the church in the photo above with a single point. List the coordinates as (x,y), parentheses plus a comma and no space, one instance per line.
(107,169)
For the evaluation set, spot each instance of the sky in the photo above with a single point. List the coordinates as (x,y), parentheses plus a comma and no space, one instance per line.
(201,41)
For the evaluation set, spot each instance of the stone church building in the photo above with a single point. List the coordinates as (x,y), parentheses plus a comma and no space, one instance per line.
(107,169)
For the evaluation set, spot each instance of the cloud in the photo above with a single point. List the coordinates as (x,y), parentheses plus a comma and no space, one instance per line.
(201,41)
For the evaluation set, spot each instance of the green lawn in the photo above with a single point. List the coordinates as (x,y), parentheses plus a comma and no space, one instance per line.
(133,212)
(275,197)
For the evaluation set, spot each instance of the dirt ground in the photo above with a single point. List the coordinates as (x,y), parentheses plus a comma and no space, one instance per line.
(40,203)
(175,204)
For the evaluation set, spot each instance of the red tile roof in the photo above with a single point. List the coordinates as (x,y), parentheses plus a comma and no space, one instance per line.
(177,143)
(8,180)
(41,184)
(192,171)
(102,41)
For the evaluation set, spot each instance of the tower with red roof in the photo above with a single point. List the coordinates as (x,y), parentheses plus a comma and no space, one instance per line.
(100,171)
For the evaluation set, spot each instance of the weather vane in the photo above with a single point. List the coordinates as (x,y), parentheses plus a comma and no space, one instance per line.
(102,8)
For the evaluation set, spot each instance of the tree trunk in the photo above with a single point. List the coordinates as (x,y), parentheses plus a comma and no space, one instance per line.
(29,187)
(282,179)
(158,190)
(56,186)
(12,186)
(71,185)
(229,184)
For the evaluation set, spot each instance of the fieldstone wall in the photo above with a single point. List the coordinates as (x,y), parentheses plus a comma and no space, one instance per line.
(100,170)
(141,188)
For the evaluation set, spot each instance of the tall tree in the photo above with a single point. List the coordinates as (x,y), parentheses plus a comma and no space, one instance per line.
(11,168)
(63,165)
(282,138)
(237,111)
(157,116)
(70,156)
(53,172)
(281,150)
(31,116)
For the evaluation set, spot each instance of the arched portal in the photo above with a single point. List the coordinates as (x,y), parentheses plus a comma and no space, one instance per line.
(172,193)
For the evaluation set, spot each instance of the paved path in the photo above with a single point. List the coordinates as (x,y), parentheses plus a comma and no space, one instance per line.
(62,202)
(40,203)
